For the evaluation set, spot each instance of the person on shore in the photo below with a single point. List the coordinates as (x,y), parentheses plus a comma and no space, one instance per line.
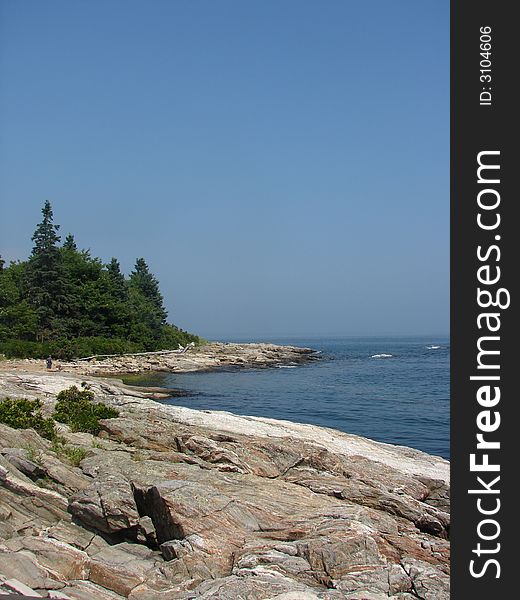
(49,362)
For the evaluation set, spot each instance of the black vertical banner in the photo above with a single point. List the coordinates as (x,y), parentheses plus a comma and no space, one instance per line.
(484,272)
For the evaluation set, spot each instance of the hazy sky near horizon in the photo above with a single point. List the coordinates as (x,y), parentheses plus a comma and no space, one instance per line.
(282,165)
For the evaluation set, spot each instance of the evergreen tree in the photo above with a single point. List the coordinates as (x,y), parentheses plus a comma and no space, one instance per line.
(118,279)
(17,318)
(70,243)
(64,302)
(145,282)
(46,283)
(45,236)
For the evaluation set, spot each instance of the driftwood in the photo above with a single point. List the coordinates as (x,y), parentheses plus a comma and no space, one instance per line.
(180,350)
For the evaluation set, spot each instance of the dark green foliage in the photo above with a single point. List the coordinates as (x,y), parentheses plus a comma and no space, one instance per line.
(18,317)
(46,287)
(70,243)
(46,236)
(148,287)
(13,348)
(76,408)
(64,302)
(117,280)
(90,346)
(172,336)
(20,413)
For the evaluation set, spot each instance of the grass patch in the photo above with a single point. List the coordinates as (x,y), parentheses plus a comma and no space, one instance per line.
(34,455)
(72,454)
(45,482)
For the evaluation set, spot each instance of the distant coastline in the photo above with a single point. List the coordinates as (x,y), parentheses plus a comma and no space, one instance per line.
(206,357)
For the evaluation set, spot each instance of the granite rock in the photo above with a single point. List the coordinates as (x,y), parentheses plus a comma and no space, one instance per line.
(175,504)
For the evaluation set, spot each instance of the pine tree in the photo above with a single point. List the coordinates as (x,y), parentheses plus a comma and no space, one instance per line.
(145,282)
(70,243)
(45,236)
(46,284)
(64,301)
(118,279)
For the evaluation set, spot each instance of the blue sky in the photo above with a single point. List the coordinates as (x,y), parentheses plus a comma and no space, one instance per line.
(282,165)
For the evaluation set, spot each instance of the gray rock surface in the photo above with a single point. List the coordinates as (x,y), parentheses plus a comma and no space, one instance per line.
(170,503)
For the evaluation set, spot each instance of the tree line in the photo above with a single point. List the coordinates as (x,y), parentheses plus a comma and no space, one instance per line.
(64,302)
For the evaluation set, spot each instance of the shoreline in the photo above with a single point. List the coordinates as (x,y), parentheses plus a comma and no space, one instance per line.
(115,390)
(209,357)
(176,503)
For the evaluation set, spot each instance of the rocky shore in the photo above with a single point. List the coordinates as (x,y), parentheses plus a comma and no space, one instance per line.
(209,357)
(171,503)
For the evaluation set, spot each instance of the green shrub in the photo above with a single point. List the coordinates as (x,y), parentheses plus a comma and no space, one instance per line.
(76,408)
(82,347)
(171,336)
(24,349)
(68,349)
(20,413)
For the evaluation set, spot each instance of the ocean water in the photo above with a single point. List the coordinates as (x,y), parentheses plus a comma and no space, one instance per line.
(390,389)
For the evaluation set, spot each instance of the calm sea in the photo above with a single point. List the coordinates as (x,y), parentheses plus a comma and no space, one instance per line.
(390,389)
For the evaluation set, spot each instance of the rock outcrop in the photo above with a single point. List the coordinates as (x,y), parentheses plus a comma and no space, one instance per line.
(171,503)
(209,357)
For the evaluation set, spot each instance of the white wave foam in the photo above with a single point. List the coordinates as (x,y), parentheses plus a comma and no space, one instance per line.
(381,355)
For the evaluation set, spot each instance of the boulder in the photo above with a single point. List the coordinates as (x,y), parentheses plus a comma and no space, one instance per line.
(121,568)
(63,560)
(107,505)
